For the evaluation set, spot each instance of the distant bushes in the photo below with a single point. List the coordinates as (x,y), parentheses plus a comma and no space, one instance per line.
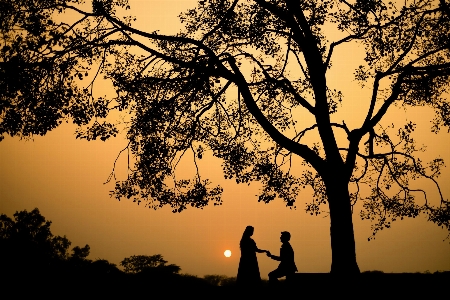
(373,272)
(29,251)
(28,246)
(145,263)
(220,280)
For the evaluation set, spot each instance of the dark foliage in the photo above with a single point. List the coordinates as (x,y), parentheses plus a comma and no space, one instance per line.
(28,247)
(30,255)
(27,243)
(154,264)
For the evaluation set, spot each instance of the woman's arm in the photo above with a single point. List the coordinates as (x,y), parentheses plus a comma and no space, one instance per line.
(256,248)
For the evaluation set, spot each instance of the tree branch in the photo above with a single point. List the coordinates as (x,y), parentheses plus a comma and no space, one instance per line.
(225,17)
(302,150)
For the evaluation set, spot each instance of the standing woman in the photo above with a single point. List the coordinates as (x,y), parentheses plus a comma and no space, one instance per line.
(248,272)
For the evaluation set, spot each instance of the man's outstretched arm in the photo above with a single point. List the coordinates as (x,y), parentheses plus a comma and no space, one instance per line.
(274,257)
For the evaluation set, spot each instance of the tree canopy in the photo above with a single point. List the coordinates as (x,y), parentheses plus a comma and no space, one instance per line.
(27,244)
(246,81)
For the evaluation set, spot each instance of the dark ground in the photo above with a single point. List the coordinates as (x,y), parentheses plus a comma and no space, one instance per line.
(171,286)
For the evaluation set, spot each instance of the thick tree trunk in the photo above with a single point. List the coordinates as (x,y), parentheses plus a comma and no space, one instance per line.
(341,229)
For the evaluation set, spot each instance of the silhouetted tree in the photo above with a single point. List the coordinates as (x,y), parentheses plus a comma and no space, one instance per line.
(27,243)
(29,248)
(104,267)
(80,253)
(140,263)
(247,81)
(78,259)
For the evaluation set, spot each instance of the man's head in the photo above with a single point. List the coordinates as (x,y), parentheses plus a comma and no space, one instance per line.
(285,236)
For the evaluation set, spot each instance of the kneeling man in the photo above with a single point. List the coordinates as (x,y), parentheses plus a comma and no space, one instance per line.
(287,264)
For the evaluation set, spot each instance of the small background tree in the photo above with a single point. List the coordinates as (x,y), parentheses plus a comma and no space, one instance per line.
(27,243)
(27,246)
(145,263)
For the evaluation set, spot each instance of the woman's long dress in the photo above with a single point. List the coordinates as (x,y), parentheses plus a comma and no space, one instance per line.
(248,271)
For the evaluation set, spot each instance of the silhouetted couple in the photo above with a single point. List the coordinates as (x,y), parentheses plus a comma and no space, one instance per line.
(248,272)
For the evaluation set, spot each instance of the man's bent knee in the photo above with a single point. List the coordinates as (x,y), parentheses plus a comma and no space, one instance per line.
(274,275)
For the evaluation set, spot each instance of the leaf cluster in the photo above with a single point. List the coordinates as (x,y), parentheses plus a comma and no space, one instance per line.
(27,243)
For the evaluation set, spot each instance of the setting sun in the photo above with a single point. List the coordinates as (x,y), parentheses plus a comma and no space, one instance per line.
(227,253)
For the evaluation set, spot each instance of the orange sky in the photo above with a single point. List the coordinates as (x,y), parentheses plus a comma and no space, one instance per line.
(64,178)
